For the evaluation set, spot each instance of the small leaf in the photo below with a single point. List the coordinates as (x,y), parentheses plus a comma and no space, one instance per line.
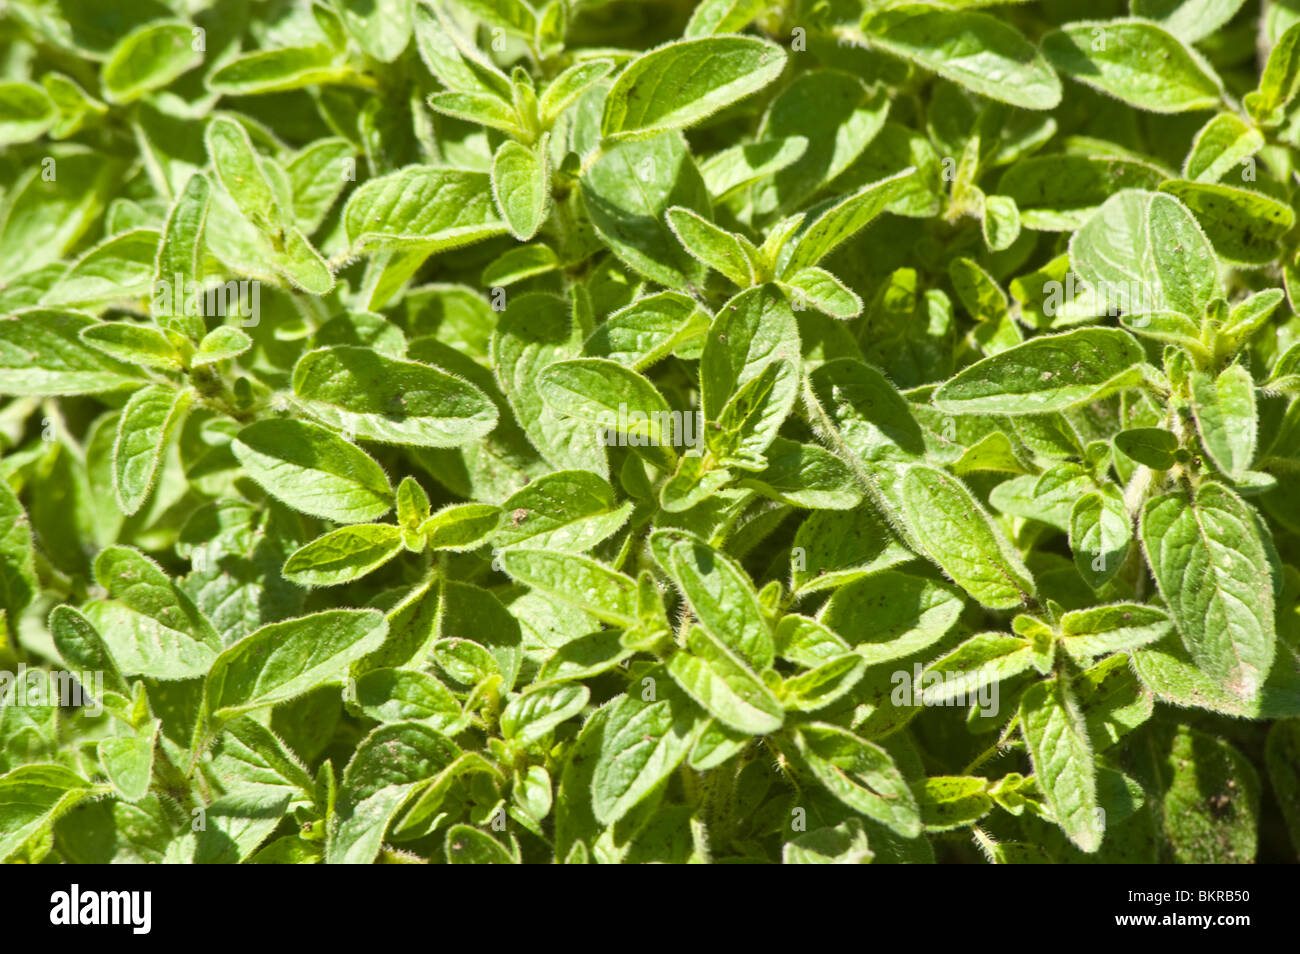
(641,744)
(41,352)
(684,82)
(469,846)
(979,51)
(343,555)
(144,432)
(529,716)
(1135,61)
(284,660)
(521,187)
(720,681)
(1152,446)
(720,594)
(147,59)
(1047,373)
(32,798)
(1100,533)
(26,112)
(1102,630)
(861,775)
(313,470)
(1063,763)
(605,593)
(956,532)
(397,402)
(1211,566)
(1226,417)
(422,208)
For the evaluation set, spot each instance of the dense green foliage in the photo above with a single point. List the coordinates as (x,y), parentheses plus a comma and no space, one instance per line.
(493,431)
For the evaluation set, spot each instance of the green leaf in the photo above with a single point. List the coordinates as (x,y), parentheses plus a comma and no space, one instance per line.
(1243,226)
(145,430)
(1134,61)
(628,190)
(567,510)
(18,583)
(457,63)
(1189,20)
(41,352)
(119,269)
(1211,806)
(1100,534)
(890,615)
(952,801)
(278,70)
(641,743)
(531,715)
(469,846)
(313,470)
(138,344)
(221,344)
(1060,193)
(979,51)
(599,391)
(26,112)
(1282,755)
(1280,80)
(734,168)
(1102,630)
(1047,373)
(712,246)
(604,593)
(316,176)
(400,695)
(683,83)
(242,174)
(804,475)
(842,844)
(957,534)
(32,798)
(1210,563)
(823,291)
(565,89)
(720,594)
(753,332)
(46,216)
(836,221)
(388,768)
(128,761)
(1152,446)
(861,775)
(460,527)
(382,28)
(521,187)
(1226,417)
(180,256)
(284,660)
(982,660)
(1063,762)
(147,59)
(649,329)
(722,16)
(397,402)
(1223,143)
(720,681)
(422,209)
(824,684)
(170,638)
(343,555)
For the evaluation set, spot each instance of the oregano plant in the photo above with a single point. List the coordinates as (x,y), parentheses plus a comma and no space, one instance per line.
(572,431)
